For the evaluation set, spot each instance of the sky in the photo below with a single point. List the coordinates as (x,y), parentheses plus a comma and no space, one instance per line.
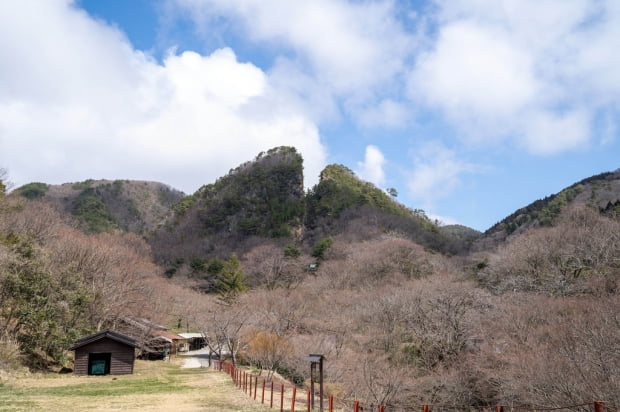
(470,109)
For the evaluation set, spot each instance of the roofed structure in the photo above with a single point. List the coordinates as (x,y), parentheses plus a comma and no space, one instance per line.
(103,353)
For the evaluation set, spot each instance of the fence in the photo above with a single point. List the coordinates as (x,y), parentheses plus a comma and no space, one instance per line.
(286,398)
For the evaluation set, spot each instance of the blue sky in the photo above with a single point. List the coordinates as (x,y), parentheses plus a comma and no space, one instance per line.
(469,108)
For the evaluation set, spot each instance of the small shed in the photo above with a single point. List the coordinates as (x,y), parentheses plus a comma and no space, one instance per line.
(195,340)
(104,353)
(176,342)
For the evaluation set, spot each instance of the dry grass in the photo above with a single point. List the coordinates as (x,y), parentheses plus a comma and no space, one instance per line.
(155,386)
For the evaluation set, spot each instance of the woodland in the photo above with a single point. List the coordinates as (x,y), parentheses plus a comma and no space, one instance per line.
(405,311)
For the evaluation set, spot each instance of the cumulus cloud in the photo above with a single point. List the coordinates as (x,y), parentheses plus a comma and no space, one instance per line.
(79,102)
(352,51)
(437,173)
(371,169)
(536,72)
(477,70)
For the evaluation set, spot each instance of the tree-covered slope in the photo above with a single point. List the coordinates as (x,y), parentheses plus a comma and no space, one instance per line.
(102,205)
(601,192)
(343,203)
(263,199)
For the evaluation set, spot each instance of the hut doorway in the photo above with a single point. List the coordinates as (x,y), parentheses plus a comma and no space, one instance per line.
(99,363)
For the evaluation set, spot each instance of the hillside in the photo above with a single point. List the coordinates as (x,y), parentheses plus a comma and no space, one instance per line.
(262,203)
(262,199)
(341,203)
(101,205)
(601,192)
(352,275)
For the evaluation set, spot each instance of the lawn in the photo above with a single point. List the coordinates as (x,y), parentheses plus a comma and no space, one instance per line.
(154,386)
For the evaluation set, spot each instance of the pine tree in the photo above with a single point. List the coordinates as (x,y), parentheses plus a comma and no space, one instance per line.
(232,281)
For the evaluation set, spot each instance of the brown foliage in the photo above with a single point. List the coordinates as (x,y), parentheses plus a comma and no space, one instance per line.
(579,255)
(267,350)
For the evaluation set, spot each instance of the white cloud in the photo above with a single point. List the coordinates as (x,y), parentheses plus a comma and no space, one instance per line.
(535,72)
(387,112)
(475,70)
(351,50)
(443,220)
(436,173)
(78,102)
(550,133)
(371,169)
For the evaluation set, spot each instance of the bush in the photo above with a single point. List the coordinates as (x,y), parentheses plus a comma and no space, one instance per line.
(321,247)
(33,190)
(10,355)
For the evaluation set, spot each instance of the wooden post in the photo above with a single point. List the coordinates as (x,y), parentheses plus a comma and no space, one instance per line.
(271,401)
(599,406)
(282,397)
(499,408)
(262,397)
(293,399)
(255,385)
(424,408)
(331,403)
(381,408)
(356,406)
(321,385)
(312,368)
(308,400)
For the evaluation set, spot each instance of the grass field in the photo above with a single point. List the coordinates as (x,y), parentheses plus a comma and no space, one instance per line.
(154,386)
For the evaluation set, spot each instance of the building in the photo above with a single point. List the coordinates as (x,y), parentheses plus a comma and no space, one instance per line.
(195,340)
(104,353)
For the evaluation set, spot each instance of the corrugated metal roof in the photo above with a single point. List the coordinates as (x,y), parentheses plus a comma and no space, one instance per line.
(190,335)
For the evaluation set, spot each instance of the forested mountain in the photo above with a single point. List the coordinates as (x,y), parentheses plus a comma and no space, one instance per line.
(600,192)
(406,312)
(262,199)
(103,205)
(262,202)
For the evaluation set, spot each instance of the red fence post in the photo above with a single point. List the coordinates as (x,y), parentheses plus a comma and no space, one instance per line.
(424,408)
(599,406)
(293,399)
(271,401)
(381,408)
(262,396)
(282,397)
(330,404)
(308,400)
(499,408)
(356,406)
(255,385)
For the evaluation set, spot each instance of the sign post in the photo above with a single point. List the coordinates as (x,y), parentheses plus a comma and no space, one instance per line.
(316,360)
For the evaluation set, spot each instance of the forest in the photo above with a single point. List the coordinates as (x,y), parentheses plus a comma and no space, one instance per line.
(403,312)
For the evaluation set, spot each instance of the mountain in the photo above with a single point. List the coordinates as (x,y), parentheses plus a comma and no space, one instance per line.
(261,199)
(102,205)
(342,203)
(601,192)
(343,266)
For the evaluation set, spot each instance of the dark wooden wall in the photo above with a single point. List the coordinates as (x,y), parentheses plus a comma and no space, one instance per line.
(122,361)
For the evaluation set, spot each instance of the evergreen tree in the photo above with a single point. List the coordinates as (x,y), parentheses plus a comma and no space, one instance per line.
(232,281)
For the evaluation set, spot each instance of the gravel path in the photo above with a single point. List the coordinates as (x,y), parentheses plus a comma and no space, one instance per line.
(196,359)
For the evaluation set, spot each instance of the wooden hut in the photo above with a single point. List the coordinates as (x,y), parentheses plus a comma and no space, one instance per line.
(104,353)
